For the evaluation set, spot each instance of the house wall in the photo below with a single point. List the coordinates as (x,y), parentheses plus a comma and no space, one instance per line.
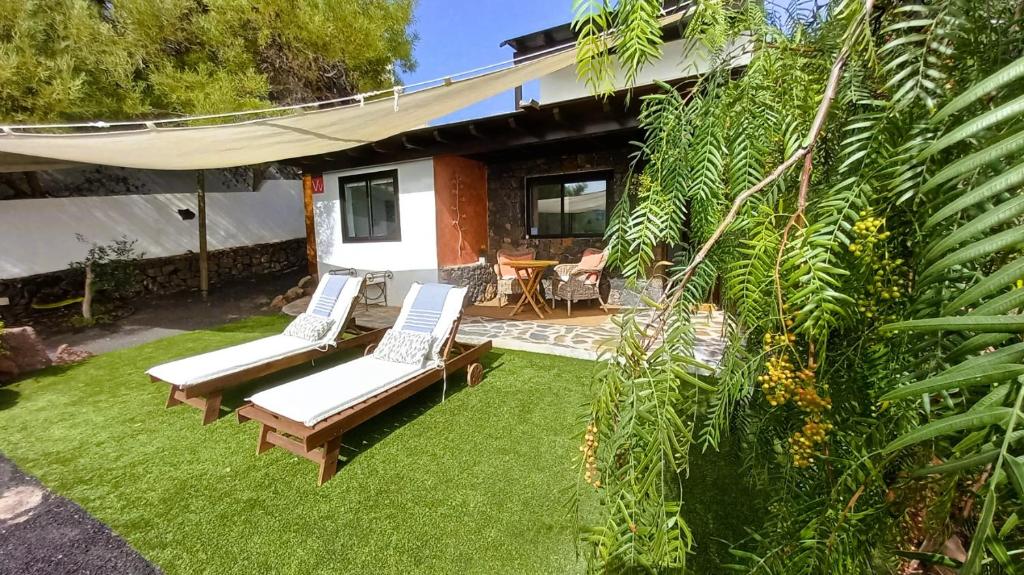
(506,197)
(680,58)
(460,186)
(412,259)
(39,235)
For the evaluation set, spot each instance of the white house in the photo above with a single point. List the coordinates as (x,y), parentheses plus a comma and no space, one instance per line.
(546,176)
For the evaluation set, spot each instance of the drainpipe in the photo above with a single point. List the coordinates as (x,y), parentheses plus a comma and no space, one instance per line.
(204,270)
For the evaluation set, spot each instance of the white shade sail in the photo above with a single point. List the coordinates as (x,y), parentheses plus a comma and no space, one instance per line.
(297,134)
(265,140)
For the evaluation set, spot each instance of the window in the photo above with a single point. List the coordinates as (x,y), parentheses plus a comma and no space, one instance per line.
(369,207)
(567,205)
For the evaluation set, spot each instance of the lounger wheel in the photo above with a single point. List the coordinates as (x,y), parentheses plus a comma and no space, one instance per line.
(474,374)
(369,349)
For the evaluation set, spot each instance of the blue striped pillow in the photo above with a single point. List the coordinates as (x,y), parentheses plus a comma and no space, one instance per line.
(328,297)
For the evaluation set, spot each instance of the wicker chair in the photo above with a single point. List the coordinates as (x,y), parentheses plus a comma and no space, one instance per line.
(508,285)
(574,282)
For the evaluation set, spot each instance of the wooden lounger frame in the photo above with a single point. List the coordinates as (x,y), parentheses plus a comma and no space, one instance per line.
(206,396)
(321,443)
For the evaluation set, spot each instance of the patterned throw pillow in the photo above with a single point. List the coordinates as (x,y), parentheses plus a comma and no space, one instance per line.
(309,327)
(402,346)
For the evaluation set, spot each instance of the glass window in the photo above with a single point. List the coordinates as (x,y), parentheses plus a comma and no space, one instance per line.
(369,207)
(569,205)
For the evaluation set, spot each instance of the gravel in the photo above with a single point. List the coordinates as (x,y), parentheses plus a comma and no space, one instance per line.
(43,533)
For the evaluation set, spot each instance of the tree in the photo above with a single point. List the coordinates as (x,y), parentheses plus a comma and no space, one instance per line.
(857,193)
(66,60)
(109,268)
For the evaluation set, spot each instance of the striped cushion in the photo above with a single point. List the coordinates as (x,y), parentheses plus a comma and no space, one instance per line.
(324,304)
(426,308)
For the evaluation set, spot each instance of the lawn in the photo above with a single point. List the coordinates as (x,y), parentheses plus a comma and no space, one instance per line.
(477,484)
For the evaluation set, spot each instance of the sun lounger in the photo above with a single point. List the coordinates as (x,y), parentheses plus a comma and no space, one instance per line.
(200,380)
(308,416)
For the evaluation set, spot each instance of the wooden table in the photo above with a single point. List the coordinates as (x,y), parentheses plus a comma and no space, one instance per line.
(528,274)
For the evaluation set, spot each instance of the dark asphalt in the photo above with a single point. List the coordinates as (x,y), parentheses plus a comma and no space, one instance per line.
(44,534)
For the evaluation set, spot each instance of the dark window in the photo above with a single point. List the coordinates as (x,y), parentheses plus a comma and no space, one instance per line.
(369,207)
(568,205)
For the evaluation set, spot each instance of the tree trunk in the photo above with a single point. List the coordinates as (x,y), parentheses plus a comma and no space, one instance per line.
(87,298)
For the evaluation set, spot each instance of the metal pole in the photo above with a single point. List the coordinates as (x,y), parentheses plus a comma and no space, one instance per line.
(204,277)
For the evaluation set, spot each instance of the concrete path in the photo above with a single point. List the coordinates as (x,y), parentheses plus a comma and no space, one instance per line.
(162,316)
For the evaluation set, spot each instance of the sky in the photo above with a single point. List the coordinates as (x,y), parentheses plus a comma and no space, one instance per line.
(459,35)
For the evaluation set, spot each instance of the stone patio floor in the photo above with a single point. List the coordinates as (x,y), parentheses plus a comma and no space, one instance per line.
(579,341)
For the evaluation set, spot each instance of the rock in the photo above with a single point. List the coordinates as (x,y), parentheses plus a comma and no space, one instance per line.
(67,355)
(8,369)
(278,302)
(23,347)
(293,294)
(296,307)
(307,282)
(263,302)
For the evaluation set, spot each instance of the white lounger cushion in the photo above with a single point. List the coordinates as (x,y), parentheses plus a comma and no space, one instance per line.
(317,396)
(200,368)
(320,395)
(197,369)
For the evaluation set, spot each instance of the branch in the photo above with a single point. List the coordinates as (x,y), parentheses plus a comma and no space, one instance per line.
(805,150)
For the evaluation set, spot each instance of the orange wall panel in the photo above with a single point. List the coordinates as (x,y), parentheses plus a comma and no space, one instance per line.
(460,189)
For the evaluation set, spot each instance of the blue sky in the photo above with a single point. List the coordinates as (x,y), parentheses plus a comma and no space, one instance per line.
(459,35)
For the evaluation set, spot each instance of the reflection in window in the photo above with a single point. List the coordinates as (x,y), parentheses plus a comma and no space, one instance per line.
(571,205)
(369,205)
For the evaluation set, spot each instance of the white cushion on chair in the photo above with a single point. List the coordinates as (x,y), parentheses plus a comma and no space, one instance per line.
(317,396)
(204,367)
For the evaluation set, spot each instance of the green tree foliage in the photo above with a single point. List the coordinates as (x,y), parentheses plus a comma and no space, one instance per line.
(118,59)
(867,242)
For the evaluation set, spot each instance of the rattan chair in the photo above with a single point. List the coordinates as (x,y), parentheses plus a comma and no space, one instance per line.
(508,285)
(574,282)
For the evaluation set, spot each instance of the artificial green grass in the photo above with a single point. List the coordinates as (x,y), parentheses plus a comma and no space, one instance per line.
(477,484)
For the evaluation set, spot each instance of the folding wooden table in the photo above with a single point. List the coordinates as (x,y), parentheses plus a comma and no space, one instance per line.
(528,274)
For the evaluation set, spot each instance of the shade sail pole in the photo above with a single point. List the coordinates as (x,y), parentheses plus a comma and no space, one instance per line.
(307,202)
(204,270)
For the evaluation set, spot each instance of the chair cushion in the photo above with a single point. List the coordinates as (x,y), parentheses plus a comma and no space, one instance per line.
(592,261)
(309,327)
(403,346)
(506,271)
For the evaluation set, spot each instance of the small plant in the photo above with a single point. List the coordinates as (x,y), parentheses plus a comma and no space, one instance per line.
(110,268)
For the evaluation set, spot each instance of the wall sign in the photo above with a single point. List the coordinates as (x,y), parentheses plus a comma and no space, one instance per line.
(318,184)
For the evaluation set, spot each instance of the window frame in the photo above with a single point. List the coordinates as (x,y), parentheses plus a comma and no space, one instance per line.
(366,178)
(563,179)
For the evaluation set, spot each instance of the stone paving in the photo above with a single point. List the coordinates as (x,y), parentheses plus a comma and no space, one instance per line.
(579,341)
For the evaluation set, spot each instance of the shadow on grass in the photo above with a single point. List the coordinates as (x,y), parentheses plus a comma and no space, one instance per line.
(377,428)
(720,504)
(8,397)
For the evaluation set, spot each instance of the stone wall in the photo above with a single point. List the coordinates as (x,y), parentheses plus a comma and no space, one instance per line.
(478,277)
(506,191)
(156,276)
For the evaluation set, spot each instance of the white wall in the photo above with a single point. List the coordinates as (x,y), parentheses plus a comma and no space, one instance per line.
(38,235)
(680,58)
(412,259)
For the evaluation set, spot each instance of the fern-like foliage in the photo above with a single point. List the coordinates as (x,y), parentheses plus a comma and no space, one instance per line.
(977,434)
